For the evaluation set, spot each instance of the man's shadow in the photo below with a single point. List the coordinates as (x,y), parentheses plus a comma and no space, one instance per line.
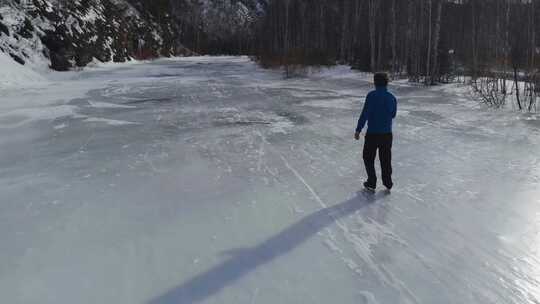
(245,260)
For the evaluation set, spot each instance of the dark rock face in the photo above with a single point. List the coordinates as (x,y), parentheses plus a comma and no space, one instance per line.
(17,58)
(4,29)
(27,30)
(102,29)
(59,62)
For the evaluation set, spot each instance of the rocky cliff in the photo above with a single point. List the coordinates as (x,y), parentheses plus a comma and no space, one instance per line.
(63,34)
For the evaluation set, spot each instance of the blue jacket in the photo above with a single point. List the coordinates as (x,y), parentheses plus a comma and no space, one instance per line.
(379,110)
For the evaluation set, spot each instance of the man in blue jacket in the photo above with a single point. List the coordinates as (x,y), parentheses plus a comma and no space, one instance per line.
(379,111)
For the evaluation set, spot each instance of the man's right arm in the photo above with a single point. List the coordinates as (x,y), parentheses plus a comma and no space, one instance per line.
(363,117)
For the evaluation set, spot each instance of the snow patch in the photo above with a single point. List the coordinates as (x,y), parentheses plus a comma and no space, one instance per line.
(60,126)
(107,105)
(19,117)
(111,122)
(342,72)
(15,74)
(341,103)
(368,297)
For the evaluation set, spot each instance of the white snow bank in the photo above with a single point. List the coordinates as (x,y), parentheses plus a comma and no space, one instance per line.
(15,74)
(107,105)
(111,122)
(343,71)
(19,117)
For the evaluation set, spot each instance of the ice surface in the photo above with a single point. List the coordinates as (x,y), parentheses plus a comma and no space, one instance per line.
(210,180)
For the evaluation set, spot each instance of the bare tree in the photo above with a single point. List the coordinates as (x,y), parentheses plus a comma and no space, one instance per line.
(373,6)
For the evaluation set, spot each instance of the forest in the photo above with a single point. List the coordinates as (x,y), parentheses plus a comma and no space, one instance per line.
(494,43)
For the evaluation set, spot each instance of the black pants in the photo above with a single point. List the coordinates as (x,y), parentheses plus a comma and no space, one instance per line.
(383,143)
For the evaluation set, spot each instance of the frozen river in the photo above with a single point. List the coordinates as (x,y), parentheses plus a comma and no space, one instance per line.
(210,180)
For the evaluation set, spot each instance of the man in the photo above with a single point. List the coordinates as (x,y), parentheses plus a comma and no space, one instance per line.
(379,111)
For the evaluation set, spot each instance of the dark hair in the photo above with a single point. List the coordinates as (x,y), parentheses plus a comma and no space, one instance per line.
(380,79)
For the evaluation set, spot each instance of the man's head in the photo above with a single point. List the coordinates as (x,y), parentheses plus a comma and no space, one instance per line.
(380,79)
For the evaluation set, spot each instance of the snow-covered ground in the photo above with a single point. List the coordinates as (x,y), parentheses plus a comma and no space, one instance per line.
(13,74)
(210,180)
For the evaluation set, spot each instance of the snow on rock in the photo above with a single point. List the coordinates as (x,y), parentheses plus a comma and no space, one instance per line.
(15,74)
(68,34)
(75,33)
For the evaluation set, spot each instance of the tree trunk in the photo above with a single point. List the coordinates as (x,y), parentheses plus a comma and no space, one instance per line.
(394,37)
(506,46)
(516,84)
(530,79)
(373,8)
(344,32)
(474,46)
(436,39)
(430,34)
